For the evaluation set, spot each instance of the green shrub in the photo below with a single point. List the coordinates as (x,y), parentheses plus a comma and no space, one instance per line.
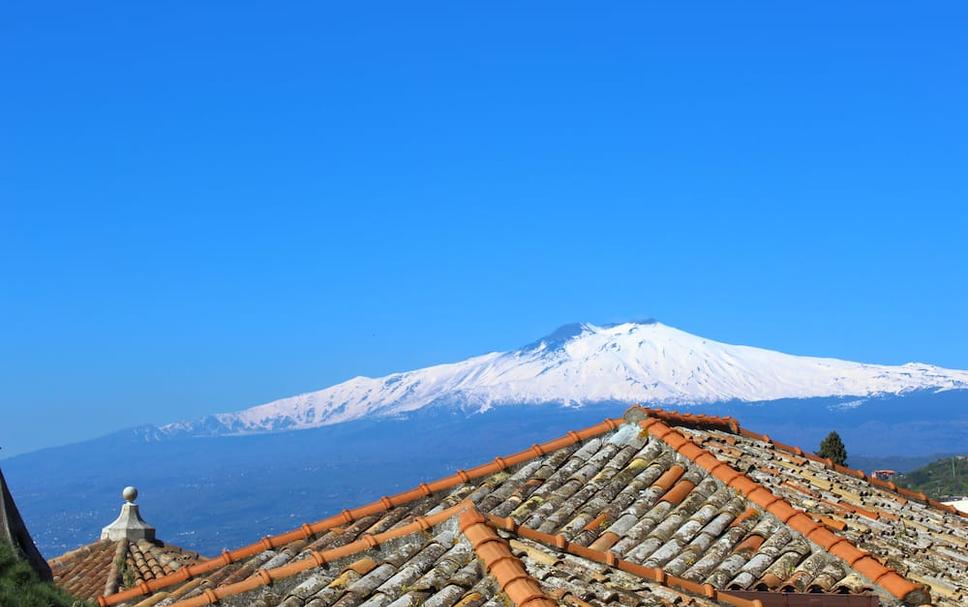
(20,586)
(941,478)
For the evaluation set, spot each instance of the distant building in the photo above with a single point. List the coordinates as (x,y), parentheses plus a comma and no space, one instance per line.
(884,475)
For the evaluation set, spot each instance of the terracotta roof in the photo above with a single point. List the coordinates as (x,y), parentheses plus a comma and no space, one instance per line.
(898,542)
(731,425)
(454,556)
(384,504)
(655,508)
(103,568)
(495,555)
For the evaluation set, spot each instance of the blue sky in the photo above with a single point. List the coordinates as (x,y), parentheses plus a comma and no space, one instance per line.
(208,206)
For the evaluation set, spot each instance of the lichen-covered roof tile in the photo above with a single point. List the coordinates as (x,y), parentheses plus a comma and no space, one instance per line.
(672,497)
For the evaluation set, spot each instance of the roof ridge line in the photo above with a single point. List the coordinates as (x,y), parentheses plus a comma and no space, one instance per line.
(732,425)
(348,516)
(607,557)
(114,573)
(510,573)
(265,577)
(862,562)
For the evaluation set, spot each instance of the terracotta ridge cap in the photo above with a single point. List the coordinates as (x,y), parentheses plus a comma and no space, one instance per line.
(697,420)
(265,577)
(113,581)
(654,574)
(346,516)
(495,554)
(731,425)
(858,560)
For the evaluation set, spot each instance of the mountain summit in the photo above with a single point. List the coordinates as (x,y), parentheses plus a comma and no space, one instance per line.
(581,364)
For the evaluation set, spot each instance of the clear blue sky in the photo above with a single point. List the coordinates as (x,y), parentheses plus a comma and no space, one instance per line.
(208,206)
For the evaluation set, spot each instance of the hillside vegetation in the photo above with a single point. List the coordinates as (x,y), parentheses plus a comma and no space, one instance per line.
(941,478)
(20,586)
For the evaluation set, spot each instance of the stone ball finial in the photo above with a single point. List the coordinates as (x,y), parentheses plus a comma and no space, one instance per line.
(130,494)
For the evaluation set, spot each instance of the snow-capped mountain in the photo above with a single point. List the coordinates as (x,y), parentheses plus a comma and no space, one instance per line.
(578,364)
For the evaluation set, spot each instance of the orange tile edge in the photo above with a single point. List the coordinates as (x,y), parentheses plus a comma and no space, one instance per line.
(265,577)
(654,574)
(730,424)
(348,516)
(886,578)
(495,554)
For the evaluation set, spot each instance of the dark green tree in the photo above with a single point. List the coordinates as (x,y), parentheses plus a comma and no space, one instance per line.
(833,447)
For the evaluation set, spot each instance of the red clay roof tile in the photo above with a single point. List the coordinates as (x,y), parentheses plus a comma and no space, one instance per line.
(669,477)
(654,574)
(101,568)
(749,545)
(803,524)
(381,505)
(673,490)
(730,424)
(831,523)
(605,541)
(265,577)
(495,554)
(678,492)
(746,515)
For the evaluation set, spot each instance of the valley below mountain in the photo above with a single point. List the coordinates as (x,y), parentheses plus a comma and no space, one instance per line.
(206,483)
(208,493)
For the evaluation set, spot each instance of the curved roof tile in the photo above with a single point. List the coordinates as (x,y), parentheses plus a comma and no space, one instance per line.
(691,504)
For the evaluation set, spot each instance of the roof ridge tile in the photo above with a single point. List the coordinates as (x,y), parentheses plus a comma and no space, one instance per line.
(888,579)
(730,424)
(381,505)
(609,558)
(266,577)
(655,422)
(495,554)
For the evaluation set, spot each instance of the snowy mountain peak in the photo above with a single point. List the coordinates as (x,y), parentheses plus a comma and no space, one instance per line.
(583,363)
(566,333)
(559,337)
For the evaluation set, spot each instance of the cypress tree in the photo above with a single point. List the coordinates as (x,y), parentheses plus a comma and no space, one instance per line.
(833,447)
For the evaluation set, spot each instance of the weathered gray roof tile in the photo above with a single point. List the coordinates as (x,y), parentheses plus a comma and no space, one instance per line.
(603,493)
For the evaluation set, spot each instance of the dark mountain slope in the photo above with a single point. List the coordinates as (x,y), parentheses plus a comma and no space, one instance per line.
(941,478)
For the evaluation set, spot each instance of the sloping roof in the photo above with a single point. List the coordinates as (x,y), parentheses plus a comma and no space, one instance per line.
(105,567)
(14,532)
(453,556)
(628,510)
(924,540)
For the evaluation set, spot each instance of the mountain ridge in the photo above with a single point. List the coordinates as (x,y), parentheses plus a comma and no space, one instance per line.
(580,364)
